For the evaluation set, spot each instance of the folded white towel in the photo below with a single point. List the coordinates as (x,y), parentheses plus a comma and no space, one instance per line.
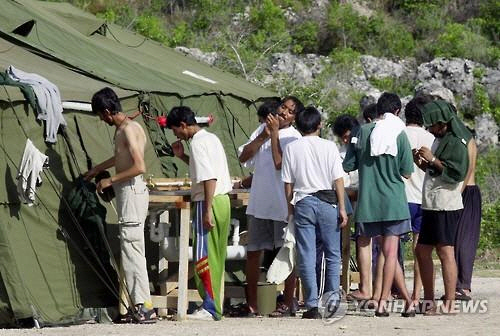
(28,176)
(284,262)
(383,139)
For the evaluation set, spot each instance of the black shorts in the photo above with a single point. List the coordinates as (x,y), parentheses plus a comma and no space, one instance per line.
(439,227)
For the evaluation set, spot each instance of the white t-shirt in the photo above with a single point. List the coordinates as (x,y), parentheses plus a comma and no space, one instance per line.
(351,179)
(267,194)
(208,161)
(311,164)
(418,137)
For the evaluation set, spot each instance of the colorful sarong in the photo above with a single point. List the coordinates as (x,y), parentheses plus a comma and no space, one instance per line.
(210,253)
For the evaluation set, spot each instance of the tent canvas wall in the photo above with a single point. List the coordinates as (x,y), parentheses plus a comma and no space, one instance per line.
(41,275)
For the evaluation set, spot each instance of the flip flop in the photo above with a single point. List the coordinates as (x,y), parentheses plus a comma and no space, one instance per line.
(461,296)
(432,312)
(354,297)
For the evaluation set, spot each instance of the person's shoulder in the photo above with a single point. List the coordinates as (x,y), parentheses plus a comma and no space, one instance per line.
(295,145)
(293,131)
(454,140)
(134,127)
(135,123)
(366,129)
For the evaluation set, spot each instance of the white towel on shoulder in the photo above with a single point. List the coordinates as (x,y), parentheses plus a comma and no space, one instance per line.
(284,262)
(383,139)
(28,176)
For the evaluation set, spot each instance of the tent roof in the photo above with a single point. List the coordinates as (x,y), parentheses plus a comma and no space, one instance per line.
(113,54)
(72,85)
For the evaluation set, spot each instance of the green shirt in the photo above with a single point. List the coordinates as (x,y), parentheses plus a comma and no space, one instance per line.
(382,194)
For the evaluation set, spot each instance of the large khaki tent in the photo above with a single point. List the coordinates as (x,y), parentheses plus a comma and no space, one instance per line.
(43,273)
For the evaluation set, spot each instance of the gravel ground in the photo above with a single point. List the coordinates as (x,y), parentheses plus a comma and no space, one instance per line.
(486,323)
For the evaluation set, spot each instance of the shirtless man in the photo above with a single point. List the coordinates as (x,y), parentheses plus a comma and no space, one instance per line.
(131,197)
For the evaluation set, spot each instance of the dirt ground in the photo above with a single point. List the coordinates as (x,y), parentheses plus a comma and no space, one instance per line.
(486,323)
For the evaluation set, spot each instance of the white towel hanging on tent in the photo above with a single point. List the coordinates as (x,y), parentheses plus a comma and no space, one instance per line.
(28,176)
(48,100)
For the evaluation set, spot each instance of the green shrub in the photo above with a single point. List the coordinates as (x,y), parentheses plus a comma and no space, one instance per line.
(429,22)
(305,37)
(481,103)
(269,23)
(180,35)
(402,87)
(415,6)
(488,180)
(121,15)
(458,41)
(490,229)
(151,27)
(489,13)
(376,35)
(395,40)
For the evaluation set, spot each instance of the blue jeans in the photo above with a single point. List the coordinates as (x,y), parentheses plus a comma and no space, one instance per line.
(315,218)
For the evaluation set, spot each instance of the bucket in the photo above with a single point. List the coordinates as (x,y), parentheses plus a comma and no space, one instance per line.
(266,298)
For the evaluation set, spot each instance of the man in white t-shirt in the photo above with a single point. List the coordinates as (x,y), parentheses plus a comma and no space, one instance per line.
(267,209)
(210,183)
(314,188)
(418,138)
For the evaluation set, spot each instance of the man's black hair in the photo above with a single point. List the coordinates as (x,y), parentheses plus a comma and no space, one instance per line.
(370,113)
(106,99)
(269,106)
(344,123)
(180,114)
(388,103)
(298,104)
(308,120)
(413,110)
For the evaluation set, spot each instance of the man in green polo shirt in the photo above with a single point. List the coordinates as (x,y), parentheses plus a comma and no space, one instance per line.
(383,157)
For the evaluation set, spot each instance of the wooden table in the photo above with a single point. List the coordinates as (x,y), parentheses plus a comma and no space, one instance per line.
(159,201)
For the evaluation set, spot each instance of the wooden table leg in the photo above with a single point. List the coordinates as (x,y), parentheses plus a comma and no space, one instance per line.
(163,267)
(182,303)
(346,255)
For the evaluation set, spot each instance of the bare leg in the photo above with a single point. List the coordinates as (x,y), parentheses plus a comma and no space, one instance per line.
(446,254)
(379,270)
(424,256)
(399,280)
(390,251)
(417,280)
(252,274)
(364,263)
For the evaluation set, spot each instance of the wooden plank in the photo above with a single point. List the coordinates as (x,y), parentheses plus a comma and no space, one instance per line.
(172,300)
(164,302)
(236,203)
(192,295)
(183,263)
(354,277)
(163,272)
(166,199)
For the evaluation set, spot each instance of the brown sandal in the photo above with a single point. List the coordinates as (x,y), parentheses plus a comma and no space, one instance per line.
(282,311)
